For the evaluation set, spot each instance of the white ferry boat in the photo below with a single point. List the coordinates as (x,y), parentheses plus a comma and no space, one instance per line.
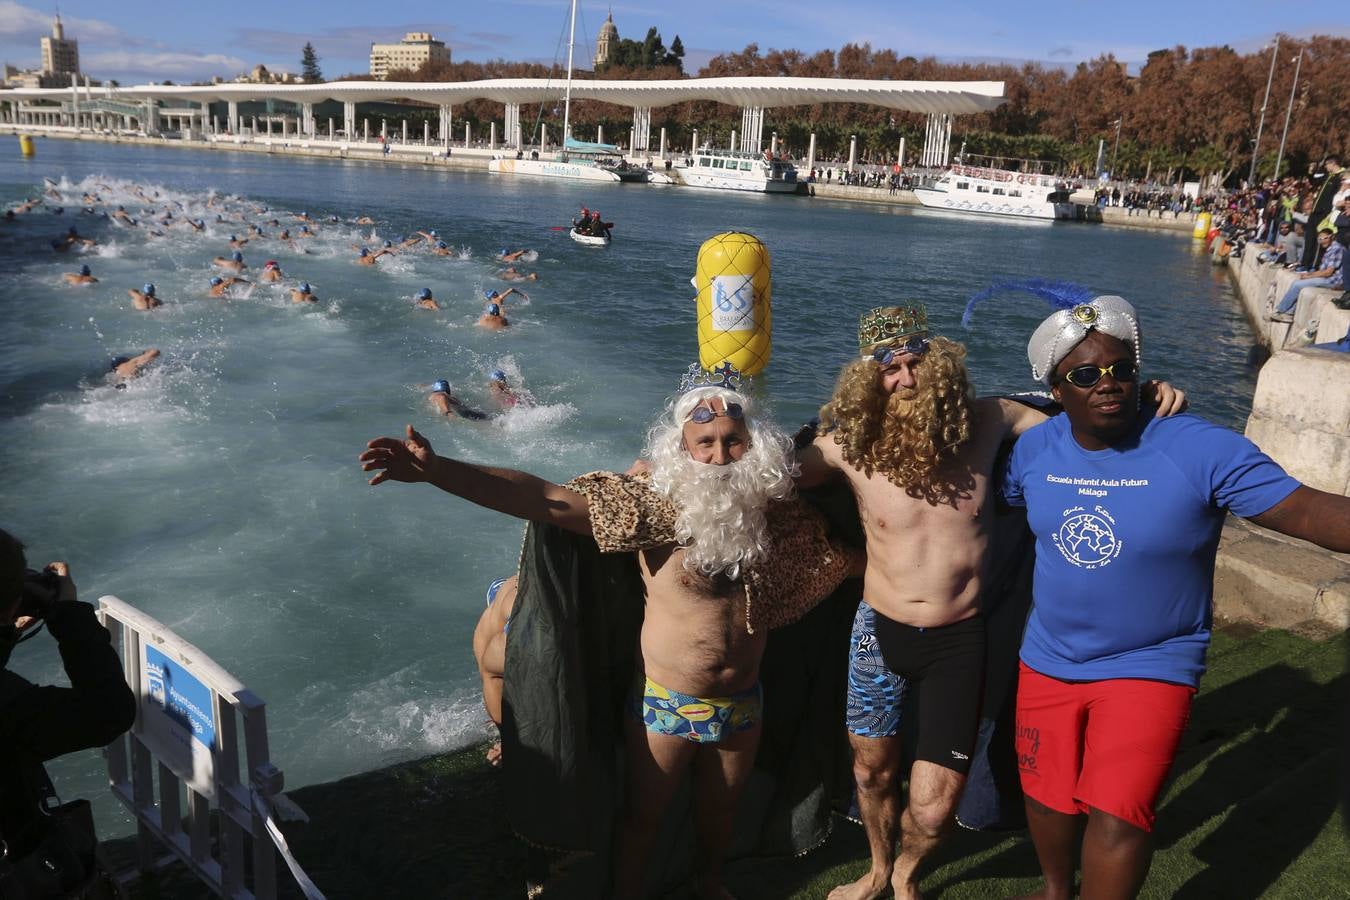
(998,192)
(726,170)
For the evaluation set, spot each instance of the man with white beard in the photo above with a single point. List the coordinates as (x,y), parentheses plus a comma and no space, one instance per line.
(726,553)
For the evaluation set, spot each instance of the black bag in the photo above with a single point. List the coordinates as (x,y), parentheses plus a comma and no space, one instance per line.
(60,844)
(1343,301)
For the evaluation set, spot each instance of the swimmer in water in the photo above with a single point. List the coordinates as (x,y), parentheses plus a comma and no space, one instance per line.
(431,237)
(271,271)
(303,217)
(511,257)
(304,232)
(197,224)
(303,294)
(493,318)
(220,287)
(364,220)
(441,249)
(81,277)
(425,300)
(501,392)
(124,368)
(369,259)
(144,298)
(500,296)
(447,404)
(234,263)
(237,242)
(510,274)
(410,242)
(120,215)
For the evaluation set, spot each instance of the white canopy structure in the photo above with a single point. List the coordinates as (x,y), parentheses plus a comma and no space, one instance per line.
(940,100)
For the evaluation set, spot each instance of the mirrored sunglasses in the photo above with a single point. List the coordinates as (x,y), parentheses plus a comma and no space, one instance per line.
(1088,376)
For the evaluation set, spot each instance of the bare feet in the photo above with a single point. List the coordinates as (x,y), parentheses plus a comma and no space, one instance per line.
(494,755)
(906,890)
(869,887)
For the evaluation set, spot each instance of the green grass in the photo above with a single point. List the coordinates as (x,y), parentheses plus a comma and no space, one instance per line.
(1252,811)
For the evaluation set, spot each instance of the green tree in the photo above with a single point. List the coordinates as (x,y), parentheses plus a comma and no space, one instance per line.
(309,64)
(676,55)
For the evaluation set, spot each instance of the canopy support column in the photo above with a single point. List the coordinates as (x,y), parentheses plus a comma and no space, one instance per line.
(348,118)
(852,151)
(811,154)
(752,130)
(511,136)
(642,129)
(444,132)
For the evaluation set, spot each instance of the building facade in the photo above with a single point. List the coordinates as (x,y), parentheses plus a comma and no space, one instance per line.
(416,49)
(60,57)
(604,43)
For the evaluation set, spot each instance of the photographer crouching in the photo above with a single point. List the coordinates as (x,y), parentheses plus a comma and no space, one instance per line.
(47,849)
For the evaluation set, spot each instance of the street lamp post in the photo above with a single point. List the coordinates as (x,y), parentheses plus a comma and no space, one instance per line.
(1298,62)
(1256,144)
(1116,149)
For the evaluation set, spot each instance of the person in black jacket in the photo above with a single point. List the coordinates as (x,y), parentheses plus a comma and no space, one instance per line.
(1322,207)
(42,722)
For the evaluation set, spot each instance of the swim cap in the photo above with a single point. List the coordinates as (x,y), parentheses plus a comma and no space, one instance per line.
(305,229)
(121,209)
(389,243)
(304,287)
(237,256)
(215,281)
(148,289)
(84,270)
(424,294)
(304,215)
(71,231)
(489,295)
(432,232)
(584,209)
(497,375)
(118,360)
(233,238)
(493,309)
(270,264)
(440,245)
(442,386)
(502,252)
(365,251)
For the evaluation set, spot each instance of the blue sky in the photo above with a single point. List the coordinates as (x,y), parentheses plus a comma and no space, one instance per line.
(137,40)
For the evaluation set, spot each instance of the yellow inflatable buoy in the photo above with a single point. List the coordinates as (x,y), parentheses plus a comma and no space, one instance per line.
(26,145)
(734,315)
(1201,229)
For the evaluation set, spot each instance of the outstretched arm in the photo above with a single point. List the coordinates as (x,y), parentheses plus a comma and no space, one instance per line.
(1311,515)
(515,493)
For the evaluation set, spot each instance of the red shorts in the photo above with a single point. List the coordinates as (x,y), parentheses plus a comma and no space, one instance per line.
(1105,745)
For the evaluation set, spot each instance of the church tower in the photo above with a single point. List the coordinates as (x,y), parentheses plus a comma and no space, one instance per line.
(609,36)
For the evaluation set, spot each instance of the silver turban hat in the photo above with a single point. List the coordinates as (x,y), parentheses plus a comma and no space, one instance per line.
(1078,312)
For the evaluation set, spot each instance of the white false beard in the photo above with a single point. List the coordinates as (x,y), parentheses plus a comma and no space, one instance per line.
(720,512)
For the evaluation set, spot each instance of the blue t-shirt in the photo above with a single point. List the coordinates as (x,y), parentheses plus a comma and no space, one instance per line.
(1125,543)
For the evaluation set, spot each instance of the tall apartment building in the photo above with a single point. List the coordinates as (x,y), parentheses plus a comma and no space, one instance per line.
(60,57)
(416,48)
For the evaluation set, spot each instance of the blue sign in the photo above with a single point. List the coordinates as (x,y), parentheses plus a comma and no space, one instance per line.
(184,699)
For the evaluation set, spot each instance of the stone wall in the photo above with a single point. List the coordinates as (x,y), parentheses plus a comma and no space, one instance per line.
(1301,418)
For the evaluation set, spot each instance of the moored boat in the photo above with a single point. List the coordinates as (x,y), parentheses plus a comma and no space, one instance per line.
(994,191)
(727,170)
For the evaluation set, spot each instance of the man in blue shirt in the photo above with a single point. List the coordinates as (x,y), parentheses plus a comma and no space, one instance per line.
(1127,510)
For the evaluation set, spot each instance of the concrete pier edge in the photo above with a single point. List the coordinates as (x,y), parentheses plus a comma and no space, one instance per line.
(1301,418)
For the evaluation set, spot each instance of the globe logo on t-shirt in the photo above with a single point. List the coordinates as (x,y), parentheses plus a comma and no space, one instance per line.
(1087,539)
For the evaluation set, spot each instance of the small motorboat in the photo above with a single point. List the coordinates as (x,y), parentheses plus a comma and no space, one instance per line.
(590,240)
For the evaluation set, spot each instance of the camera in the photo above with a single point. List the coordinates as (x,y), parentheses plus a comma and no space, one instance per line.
(40,590)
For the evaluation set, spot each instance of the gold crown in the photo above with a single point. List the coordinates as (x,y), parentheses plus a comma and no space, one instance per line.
(891,323)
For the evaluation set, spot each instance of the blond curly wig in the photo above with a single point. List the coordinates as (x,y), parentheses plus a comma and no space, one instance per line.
(905,438)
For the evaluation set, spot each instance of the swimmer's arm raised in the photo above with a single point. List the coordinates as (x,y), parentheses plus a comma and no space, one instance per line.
(509,491)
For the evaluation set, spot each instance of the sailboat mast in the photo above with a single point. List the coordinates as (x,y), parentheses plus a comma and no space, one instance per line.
(567,97)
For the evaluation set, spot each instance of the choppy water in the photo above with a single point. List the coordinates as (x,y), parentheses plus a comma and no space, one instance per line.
(221,494)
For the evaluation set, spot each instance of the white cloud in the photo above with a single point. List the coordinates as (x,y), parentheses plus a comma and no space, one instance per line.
(159,65)
(22,22)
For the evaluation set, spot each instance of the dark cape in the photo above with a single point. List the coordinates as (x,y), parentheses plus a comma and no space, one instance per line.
(569,670)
